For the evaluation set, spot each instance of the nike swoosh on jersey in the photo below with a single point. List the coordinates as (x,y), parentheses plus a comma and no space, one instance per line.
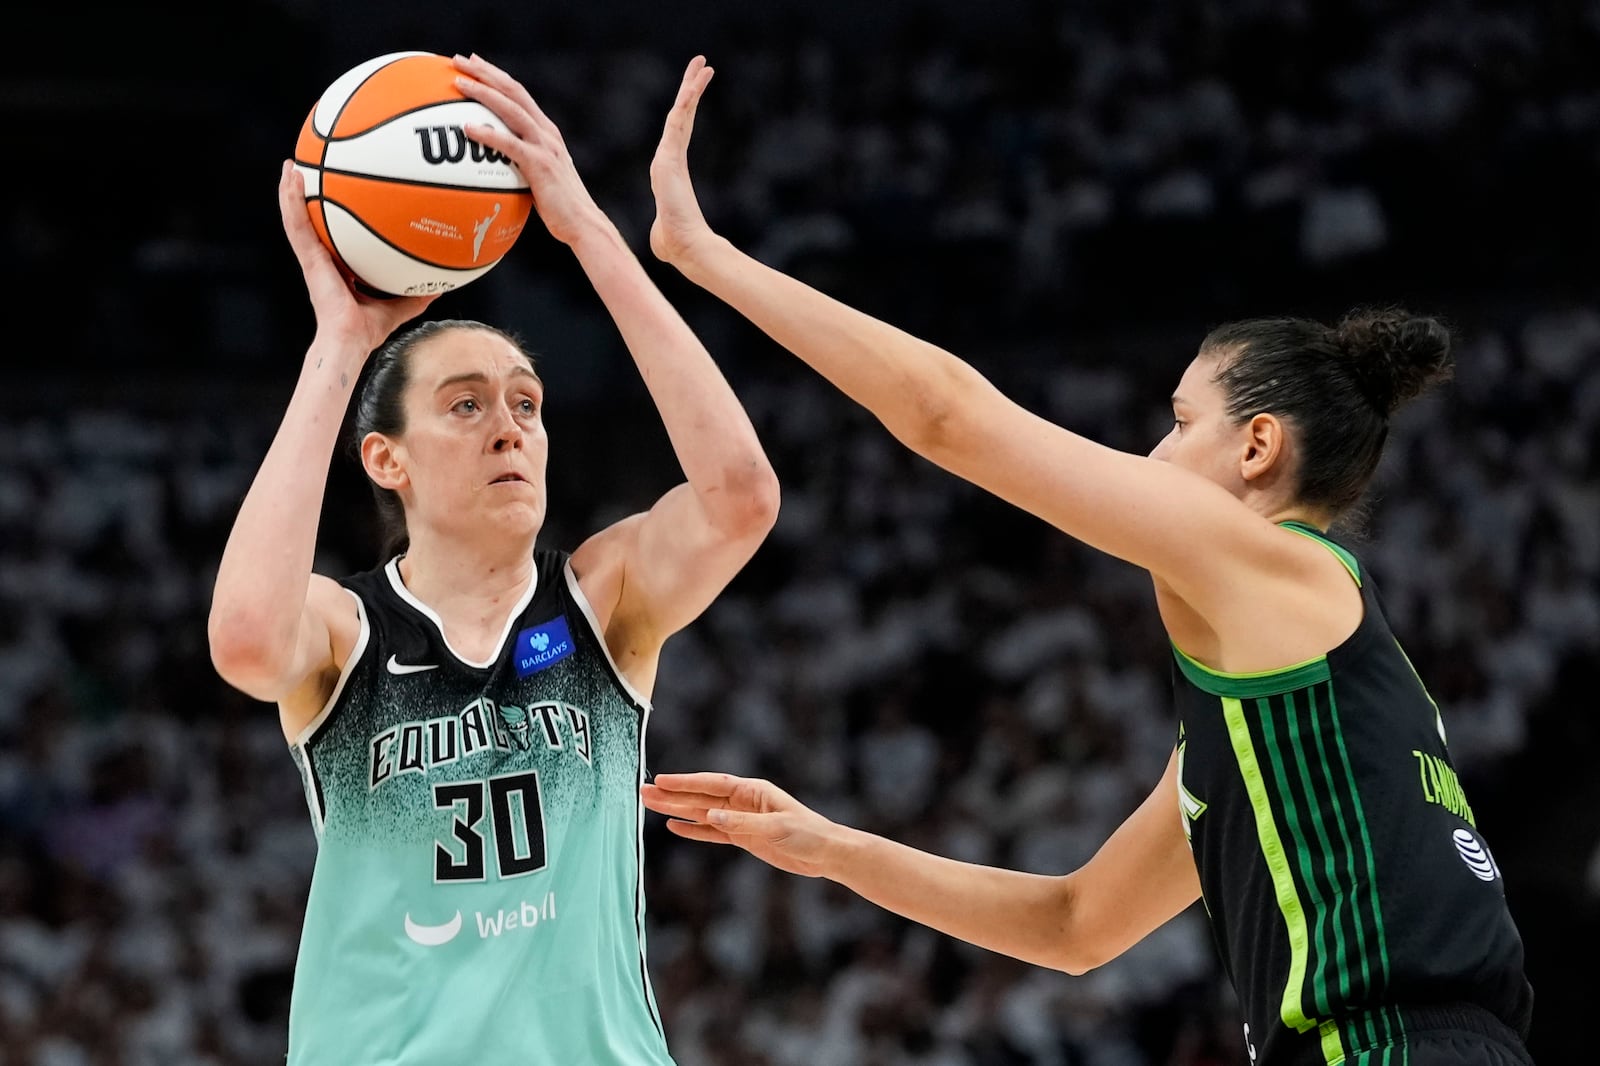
(395,667)
(431,936)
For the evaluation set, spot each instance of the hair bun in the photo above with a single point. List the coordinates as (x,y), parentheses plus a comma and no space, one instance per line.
(1394,356)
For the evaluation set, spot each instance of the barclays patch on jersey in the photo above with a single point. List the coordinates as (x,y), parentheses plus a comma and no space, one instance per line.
(542,646)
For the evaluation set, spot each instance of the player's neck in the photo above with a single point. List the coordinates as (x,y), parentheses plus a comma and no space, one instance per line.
(468,584)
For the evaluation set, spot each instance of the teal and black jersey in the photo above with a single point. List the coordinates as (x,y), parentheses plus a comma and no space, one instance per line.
(1345,877)
(477,896)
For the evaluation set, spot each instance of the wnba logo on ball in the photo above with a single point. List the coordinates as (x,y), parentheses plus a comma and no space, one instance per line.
(450,144)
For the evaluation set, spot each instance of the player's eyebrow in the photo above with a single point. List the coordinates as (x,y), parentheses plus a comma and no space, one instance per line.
(477,377)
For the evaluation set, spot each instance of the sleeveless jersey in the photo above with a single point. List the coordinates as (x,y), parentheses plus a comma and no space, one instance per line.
(477,894)
(1345,878)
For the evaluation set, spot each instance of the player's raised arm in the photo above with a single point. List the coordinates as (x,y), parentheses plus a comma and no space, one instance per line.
(1137,881)
(947,411)
(270,616)
(658,571)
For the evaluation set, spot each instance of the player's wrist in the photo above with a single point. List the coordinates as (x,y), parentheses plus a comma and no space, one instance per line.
(338,351)
(700,257)
(844,853)
(593,232)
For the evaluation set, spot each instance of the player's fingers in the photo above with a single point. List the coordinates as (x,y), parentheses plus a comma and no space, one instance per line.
(681,805)
(296,221)
(691,75)
(291,199)
(516,117)
(712,784)
(508,87)
(677,805)
(697,831)
(502,141)
(735,823)
(680,120)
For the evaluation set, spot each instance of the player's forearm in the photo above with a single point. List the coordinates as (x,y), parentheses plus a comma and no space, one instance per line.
(910,385)
(1026,916)
(260,591)
(710,431)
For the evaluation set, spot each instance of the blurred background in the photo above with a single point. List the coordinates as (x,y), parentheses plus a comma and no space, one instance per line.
(1066,194)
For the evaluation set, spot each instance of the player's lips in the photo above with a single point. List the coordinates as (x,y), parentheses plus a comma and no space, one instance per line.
(509,479)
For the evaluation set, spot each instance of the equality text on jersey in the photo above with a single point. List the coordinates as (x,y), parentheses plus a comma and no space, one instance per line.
(481,727)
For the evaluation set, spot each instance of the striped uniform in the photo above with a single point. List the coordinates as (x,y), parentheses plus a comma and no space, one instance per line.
(477,895)
(1353,899)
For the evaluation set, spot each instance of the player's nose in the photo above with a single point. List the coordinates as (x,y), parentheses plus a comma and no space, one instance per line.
(508,434)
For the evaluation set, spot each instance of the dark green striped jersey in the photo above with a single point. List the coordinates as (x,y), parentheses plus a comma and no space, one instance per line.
(477,894)
(1339,860)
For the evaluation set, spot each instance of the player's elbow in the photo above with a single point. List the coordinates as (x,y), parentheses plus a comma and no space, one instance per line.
(1083,944)
(1078,959)
(751,502)
(938,422)
(244,657)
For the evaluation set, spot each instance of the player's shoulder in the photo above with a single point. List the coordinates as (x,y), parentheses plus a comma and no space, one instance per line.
(605,552)
(1321,546)
(365,583)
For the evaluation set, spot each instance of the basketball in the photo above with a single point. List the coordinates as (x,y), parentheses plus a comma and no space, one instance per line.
(407,204)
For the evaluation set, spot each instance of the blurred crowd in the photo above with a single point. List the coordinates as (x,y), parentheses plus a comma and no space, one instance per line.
(1067,204)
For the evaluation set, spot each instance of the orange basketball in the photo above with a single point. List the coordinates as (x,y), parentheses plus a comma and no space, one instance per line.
(407,204)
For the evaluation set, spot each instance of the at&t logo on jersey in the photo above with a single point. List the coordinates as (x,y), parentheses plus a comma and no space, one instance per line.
(542,646)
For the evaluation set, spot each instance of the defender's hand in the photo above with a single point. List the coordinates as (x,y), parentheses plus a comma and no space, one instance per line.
(679,226)
(755,815)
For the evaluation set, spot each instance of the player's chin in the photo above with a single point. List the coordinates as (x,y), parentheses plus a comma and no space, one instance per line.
(517,512)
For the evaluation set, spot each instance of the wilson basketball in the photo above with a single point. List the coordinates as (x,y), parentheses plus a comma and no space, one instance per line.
(407,204)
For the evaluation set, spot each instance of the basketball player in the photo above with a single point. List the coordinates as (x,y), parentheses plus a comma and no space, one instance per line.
(1310,799)
(469,717)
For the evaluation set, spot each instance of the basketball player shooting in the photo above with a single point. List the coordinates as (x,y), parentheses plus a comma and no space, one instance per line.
(468,717)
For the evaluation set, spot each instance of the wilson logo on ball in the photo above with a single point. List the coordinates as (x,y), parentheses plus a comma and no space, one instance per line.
(450,144)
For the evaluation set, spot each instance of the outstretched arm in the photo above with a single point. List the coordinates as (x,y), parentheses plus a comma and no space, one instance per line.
(1139,879)
(946,411)
(661,569)
(273,622)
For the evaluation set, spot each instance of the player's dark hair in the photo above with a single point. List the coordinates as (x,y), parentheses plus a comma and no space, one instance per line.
(381,409)
(1337,386)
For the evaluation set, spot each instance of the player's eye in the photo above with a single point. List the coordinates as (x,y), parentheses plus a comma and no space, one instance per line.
(466,407)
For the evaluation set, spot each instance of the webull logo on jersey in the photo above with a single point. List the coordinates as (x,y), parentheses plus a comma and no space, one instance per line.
(542,646)
(524,916)
(481,726)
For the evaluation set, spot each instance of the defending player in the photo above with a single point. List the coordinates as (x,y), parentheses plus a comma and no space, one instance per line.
(1310,797)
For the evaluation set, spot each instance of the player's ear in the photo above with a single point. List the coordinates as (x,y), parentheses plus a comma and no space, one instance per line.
(384,461)
(1263,448)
